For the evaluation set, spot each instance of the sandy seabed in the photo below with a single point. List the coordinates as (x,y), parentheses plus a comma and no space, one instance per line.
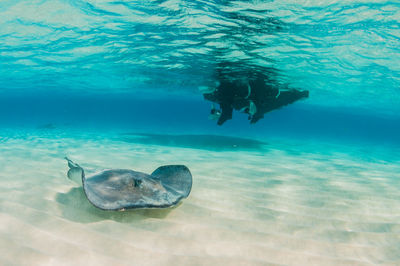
(289,203)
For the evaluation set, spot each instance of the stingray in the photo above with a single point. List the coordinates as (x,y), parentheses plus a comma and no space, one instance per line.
(122,189)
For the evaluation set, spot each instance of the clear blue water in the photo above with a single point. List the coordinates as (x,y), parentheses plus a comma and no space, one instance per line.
(138,64)
(346,53)
(78,78)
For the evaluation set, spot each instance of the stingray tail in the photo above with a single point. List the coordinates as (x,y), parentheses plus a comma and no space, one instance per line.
(75,172)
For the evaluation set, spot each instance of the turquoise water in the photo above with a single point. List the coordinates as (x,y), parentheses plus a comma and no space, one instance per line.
(344,52)
(68,60)
(315,182)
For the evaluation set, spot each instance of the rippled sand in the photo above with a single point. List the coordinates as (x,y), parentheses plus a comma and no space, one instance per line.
(291,202)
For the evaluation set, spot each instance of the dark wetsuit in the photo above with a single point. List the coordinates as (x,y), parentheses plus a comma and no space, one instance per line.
(236,95)
(230,96)
(284,98)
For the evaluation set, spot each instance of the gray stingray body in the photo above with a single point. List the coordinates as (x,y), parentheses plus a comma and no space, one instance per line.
(122,189)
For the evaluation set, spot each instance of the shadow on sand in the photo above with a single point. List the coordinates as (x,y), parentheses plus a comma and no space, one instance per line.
(204,142)
(76,207)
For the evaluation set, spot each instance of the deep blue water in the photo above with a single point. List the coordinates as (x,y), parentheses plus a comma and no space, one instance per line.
(137,65)
(175,115)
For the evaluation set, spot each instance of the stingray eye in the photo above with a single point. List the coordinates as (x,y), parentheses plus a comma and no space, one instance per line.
(138,182)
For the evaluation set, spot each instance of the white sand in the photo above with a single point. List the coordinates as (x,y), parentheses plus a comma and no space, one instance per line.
(295,203)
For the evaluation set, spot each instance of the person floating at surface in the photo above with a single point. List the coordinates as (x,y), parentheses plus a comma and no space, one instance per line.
(253,97)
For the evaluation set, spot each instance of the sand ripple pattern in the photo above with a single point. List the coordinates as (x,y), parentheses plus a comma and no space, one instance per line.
(291,204)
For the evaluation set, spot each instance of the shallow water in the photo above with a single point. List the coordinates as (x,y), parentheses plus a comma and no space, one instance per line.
(290,203)
(115,84)
(339,50)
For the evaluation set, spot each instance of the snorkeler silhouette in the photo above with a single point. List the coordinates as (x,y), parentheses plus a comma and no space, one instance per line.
(253,96)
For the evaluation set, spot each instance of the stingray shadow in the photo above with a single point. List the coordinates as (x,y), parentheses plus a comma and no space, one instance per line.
(205,142)
(75,207)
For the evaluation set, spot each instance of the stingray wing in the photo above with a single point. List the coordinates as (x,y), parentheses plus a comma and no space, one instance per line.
(175,178)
